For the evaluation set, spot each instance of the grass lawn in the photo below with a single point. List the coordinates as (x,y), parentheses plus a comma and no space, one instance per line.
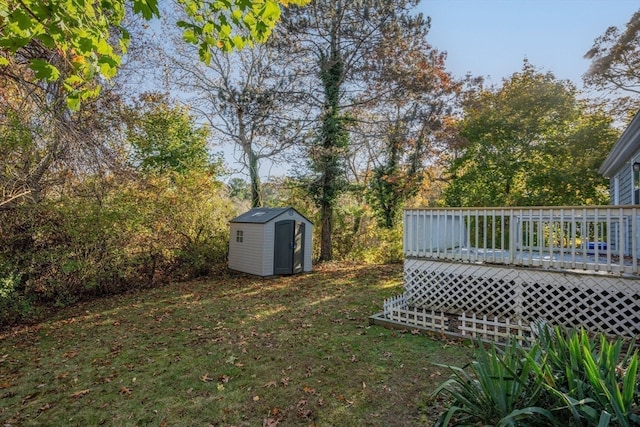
(228,351)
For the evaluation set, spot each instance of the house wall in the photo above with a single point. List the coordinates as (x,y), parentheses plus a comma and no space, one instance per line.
(625,186)
(249,255)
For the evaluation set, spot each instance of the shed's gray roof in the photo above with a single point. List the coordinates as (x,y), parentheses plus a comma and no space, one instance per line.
(263,215)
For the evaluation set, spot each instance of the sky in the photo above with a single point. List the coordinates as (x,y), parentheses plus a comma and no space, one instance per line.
(493,37)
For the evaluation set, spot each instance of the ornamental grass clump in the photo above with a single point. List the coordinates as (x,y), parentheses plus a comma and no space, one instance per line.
(593,379)
(566,378)
(497,388)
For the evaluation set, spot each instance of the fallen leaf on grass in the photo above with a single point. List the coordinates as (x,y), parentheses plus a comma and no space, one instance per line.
(276,412)
(305,414)
(309,390)
(285,381)
(125,390)
(206,378)
(270,422)
(81,393)
(256,398)
(415,332)
(62,375)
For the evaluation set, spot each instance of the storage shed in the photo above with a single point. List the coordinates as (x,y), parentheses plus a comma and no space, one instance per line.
(270,241)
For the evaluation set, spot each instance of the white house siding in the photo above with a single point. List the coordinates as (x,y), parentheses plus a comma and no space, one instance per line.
(625,186)
(623,179)
(249,255)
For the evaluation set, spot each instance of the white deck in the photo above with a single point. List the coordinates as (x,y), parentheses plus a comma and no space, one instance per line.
(595,239)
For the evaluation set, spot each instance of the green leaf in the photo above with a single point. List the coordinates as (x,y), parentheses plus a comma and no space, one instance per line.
(22,18)
(238,42)
(147,8)
(189,36)
(47,40)
(3,61)
(205,53)
(108,66)
(236,16)
(629,382)
(605,419)
(44,71)
(73,102)
(271,11)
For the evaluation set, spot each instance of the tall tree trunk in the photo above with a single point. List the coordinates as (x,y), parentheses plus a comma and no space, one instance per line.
(333,140)
(326,244)
(256,199)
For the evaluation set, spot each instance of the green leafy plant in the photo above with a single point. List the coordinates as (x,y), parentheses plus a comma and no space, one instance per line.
(593,379)
(497,389)
(80,31)
(566,378)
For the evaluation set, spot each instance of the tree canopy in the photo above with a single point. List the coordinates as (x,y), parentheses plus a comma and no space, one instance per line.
(88,38)
(615,63)
(530,143)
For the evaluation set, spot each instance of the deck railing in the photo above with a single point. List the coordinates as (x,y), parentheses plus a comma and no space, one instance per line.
(600,238)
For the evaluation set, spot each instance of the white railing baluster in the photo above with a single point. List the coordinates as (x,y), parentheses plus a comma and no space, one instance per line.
(634,239)
(596,244)
(502,231)
(620,238)
(590,238)
(493,235)
(513,236)
(605,230)
(585,229)
(476,226)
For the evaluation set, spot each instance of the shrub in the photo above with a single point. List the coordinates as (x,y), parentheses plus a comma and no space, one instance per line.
(13,305)
(103,238)
(592,379)
(497,388)
(566,378)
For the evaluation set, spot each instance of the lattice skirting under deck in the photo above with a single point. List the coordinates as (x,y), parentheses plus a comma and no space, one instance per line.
(598,302)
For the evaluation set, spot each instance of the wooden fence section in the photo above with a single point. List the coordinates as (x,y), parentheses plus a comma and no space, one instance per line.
(601,238)
(497,330)
(397,310)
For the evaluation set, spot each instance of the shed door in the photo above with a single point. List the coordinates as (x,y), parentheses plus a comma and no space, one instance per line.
(289,247)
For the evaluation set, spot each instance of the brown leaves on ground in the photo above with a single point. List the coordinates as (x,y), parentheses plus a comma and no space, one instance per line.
(286,351)
(125,390)
(80,393)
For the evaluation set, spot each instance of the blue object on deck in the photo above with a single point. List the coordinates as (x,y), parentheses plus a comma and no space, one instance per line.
(602,246)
